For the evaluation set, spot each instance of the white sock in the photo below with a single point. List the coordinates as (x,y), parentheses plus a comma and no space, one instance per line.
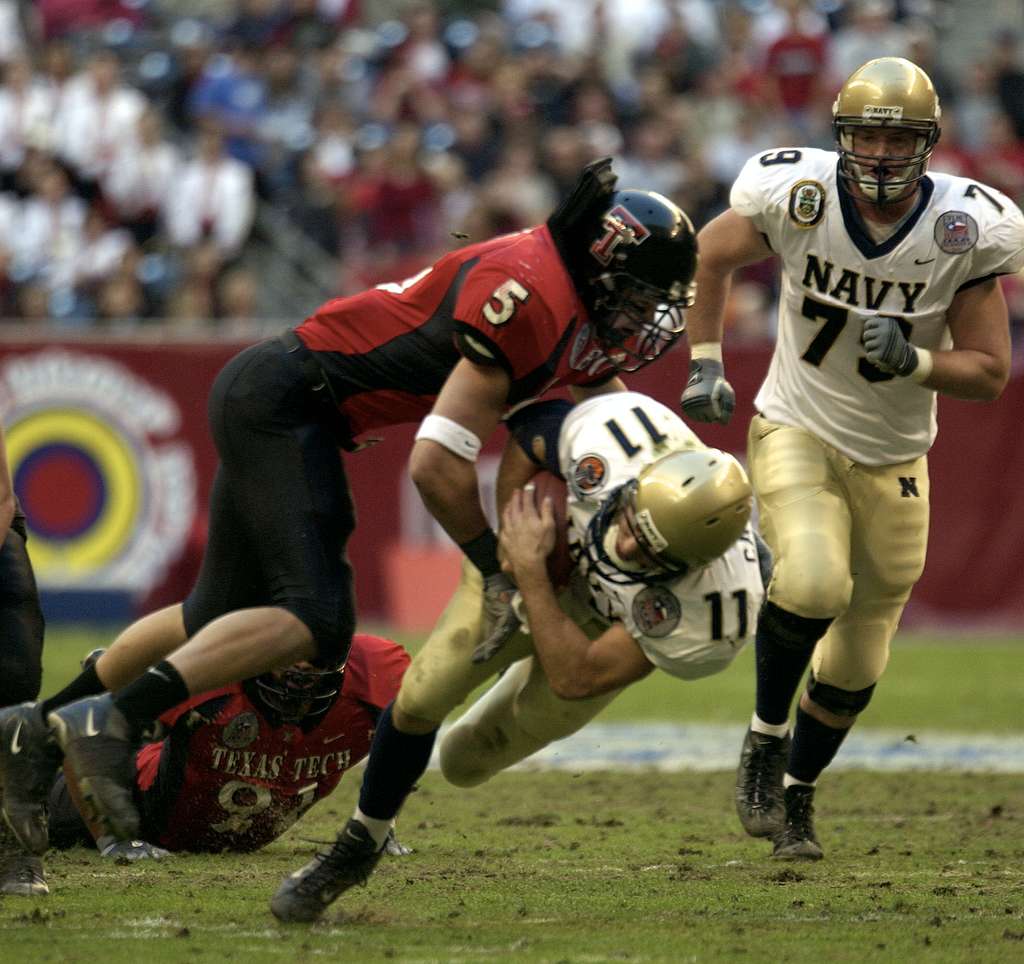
(379,829)
(768,729)
(788,781)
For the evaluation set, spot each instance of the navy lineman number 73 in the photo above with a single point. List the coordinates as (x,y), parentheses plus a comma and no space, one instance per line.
(835,321)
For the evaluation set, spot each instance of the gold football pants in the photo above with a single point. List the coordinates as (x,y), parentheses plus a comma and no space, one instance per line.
(849,543)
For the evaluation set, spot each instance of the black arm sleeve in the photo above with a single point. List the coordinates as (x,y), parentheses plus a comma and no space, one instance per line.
(542,419)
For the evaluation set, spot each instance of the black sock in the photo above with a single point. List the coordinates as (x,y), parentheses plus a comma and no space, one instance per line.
(153,693)
(784,645)
(86,683)
(814,747)
(397,760)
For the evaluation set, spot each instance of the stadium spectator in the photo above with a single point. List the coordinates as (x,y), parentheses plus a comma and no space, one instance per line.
(143,178)
(796,63)
(98,115)
(50,226)
(213,199)
(302,729)
(842,483)
(26,112)
(872,31)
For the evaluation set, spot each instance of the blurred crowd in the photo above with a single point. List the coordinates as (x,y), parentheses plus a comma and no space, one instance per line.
(140,140)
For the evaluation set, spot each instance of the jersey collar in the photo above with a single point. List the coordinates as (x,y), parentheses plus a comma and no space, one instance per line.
(858,232)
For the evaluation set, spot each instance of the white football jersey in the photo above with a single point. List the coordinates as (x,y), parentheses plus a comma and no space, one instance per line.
(692,626)
(834,276)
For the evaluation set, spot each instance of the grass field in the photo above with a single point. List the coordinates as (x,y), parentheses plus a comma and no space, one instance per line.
(594,867)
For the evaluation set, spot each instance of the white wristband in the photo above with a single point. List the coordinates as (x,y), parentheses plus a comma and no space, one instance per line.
(707,349)
(925,363)
(453,436)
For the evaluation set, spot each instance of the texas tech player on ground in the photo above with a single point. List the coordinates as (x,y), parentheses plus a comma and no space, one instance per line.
(601,287)
(668,573)
(240,764)
(890,295)
(612,442)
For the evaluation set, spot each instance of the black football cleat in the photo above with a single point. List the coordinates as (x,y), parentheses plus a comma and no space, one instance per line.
(99,755)
(304,895)
(23,876)
(796,840)
(29,759)
(759,797)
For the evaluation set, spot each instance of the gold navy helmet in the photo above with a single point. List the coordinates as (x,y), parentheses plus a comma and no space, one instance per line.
(893,94)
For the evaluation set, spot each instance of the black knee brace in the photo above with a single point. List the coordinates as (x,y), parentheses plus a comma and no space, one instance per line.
(789,630)
(837,701)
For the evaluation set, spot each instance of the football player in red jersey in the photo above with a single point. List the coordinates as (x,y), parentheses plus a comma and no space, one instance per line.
(600,288)
(240,764)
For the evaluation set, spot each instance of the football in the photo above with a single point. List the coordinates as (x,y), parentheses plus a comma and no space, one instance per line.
(548,485)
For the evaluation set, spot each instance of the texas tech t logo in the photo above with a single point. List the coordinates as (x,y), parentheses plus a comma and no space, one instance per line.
(620,227)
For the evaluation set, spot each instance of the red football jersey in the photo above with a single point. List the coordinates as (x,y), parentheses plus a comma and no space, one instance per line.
(508,301)
(226,779)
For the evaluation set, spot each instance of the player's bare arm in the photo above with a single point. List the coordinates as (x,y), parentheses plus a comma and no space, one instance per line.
(576,667)
(726,243)
(473,397)
(978,367)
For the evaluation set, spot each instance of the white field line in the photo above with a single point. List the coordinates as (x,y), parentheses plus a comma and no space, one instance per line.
(672,747)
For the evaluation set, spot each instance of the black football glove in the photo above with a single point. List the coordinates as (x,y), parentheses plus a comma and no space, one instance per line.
(887,347)
(708,397)
(500,620)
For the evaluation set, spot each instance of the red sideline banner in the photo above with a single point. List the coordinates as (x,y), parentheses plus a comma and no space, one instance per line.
(110,451)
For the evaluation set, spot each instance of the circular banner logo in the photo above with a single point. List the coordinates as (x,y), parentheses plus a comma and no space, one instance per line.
(108,493)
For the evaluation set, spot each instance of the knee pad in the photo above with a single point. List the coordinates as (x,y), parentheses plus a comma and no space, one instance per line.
(790,630)
(837,701)
(465,754)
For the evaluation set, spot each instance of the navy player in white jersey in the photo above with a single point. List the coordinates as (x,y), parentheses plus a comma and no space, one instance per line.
(890,296)
(667,573)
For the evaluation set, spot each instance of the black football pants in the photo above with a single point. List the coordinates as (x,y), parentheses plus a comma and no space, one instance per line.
(280,509)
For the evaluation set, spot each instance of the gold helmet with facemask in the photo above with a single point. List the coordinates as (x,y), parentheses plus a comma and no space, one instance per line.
(685,510)
(897,95)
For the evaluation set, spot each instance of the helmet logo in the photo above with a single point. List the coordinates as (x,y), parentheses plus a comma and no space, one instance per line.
(656,611)
(648,531)
(956,232)
(806,203)
(589,474)
(620,227)
(880,113)
(241,731)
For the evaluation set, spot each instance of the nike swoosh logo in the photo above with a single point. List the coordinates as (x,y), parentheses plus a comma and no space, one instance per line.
(331,739)
(90,724)
(16,738)
(925,261)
